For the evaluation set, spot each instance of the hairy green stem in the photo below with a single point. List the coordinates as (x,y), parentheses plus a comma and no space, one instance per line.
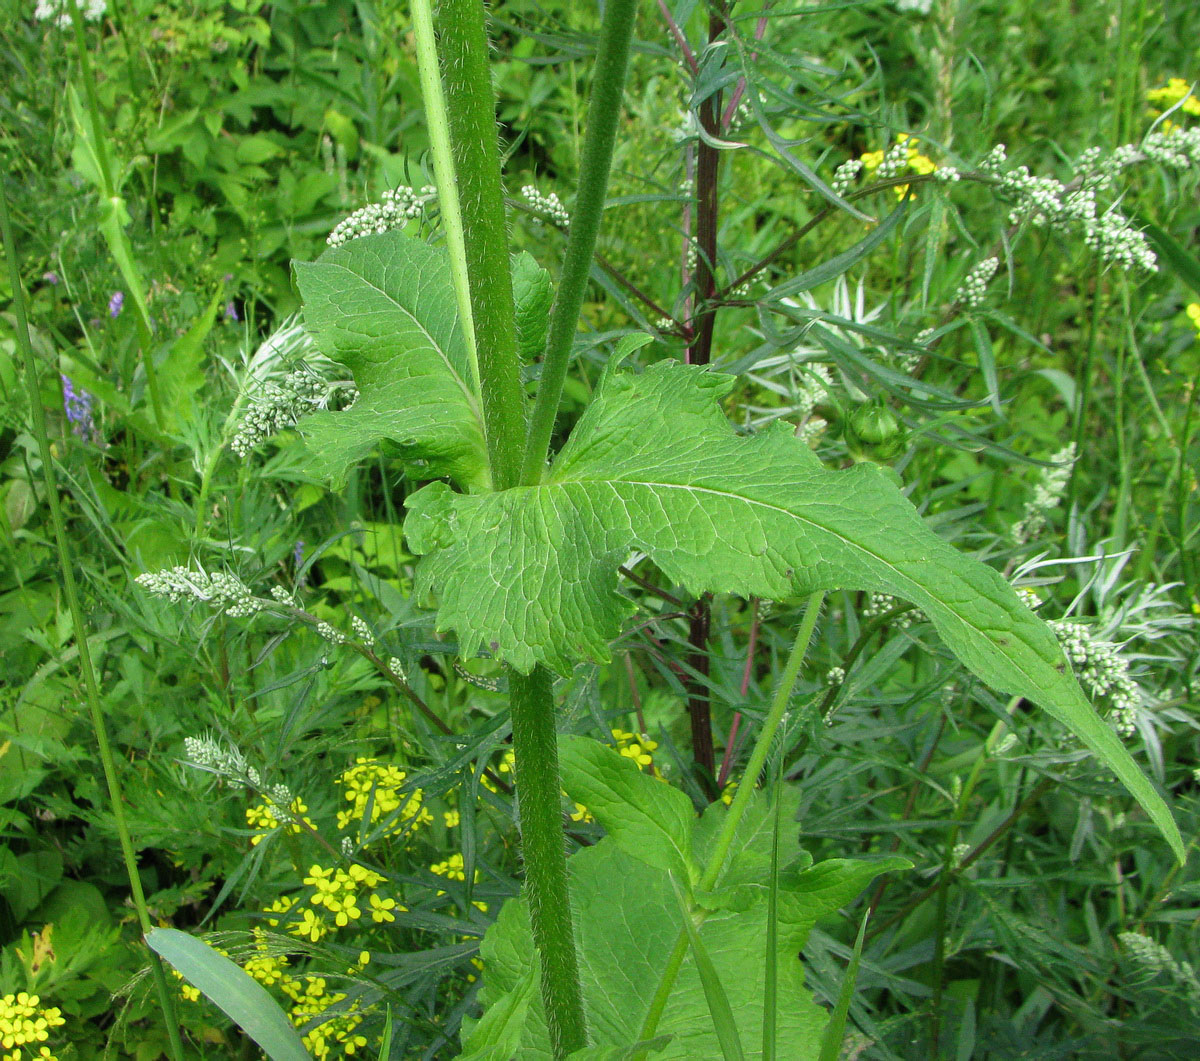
(472,129)
(79,626)
(758,759)
(438,125)
(471,110)
(539,803)
(604,110)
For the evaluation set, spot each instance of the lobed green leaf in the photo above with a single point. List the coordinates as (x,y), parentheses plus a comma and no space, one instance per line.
(530,573)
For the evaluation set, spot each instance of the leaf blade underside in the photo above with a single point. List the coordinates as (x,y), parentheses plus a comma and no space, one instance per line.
(383,306)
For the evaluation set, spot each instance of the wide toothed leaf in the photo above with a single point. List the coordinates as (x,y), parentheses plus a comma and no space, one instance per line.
(383,306)
(653,464)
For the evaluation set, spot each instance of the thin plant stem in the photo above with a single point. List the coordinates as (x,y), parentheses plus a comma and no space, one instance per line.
(79,627)
(604,111)
(113,231)
(731,740)
(720,851)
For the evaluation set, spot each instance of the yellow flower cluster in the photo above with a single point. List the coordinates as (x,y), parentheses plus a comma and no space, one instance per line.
(23,1021)
(265,817)
(635,747)
(915,163)
(337,890)
(377,785)
(311,998)
(453,869)
(1172,92)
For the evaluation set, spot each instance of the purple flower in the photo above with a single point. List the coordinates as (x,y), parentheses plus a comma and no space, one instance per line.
(50,277)
(115,303)
(298,559)
(77,404)
(231,313)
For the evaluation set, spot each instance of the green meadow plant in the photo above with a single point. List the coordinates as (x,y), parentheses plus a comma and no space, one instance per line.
(619,952)
(677,933)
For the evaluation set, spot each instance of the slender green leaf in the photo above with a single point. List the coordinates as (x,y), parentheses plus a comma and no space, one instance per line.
(835,1030)
(231,990)
(719,1008)
(1182,261)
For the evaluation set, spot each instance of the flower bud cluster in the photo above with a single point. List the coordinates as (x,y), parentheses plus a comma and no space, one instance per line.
(549,205)
(1051,485)
(58,12)
(973,289)
(220,589)
(278,406)
(811,389)
(845,175)
(1099,666)
(210,754)
(895,160)
(1155,958)
(1045,202)
(398,207)
(880,603)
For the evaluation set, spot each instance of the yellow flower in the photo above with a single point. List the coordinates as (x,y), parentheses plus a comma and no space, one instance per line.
(1193,314)
(1172,92)
(310,926)
(381,910)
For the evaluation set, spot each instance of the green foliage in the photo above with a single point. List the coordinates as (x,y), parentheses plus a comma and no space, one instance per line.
(1046,918)
(621,881)
(384,307)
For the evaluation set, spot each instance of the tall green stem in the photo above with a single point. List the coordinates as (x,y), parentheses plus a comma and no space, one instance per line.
(438,123)
(113,207)
(604,110)
(539,803)
(471,111)
(79,625)
(472,128)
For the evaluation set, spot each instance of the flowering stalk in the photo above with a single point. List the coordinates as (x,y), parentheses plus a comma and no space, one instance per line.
(79,625)
(113,210)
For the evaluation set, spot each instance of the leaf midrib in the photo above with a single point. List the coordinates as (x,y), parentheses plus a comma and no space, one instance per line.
(468,393)
(613,483)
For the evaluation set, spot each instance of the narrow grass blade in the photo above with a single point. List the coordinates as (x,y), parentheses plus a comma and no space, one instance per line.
(718,1002)
(1183,263)
(831,1041)
(231,990)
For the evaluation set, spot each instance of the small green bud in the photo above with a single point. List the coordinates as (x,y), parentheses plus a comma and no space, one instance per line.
(873,432)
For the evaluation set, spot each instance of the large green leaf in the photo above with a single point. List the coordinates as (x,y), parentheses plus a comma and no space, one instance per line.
(383,306)
(653,464)
(646,817)
(627,920)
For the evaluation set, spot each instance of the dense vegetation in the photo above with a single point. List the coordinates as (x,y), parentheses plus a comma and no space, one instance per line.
(946,243)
